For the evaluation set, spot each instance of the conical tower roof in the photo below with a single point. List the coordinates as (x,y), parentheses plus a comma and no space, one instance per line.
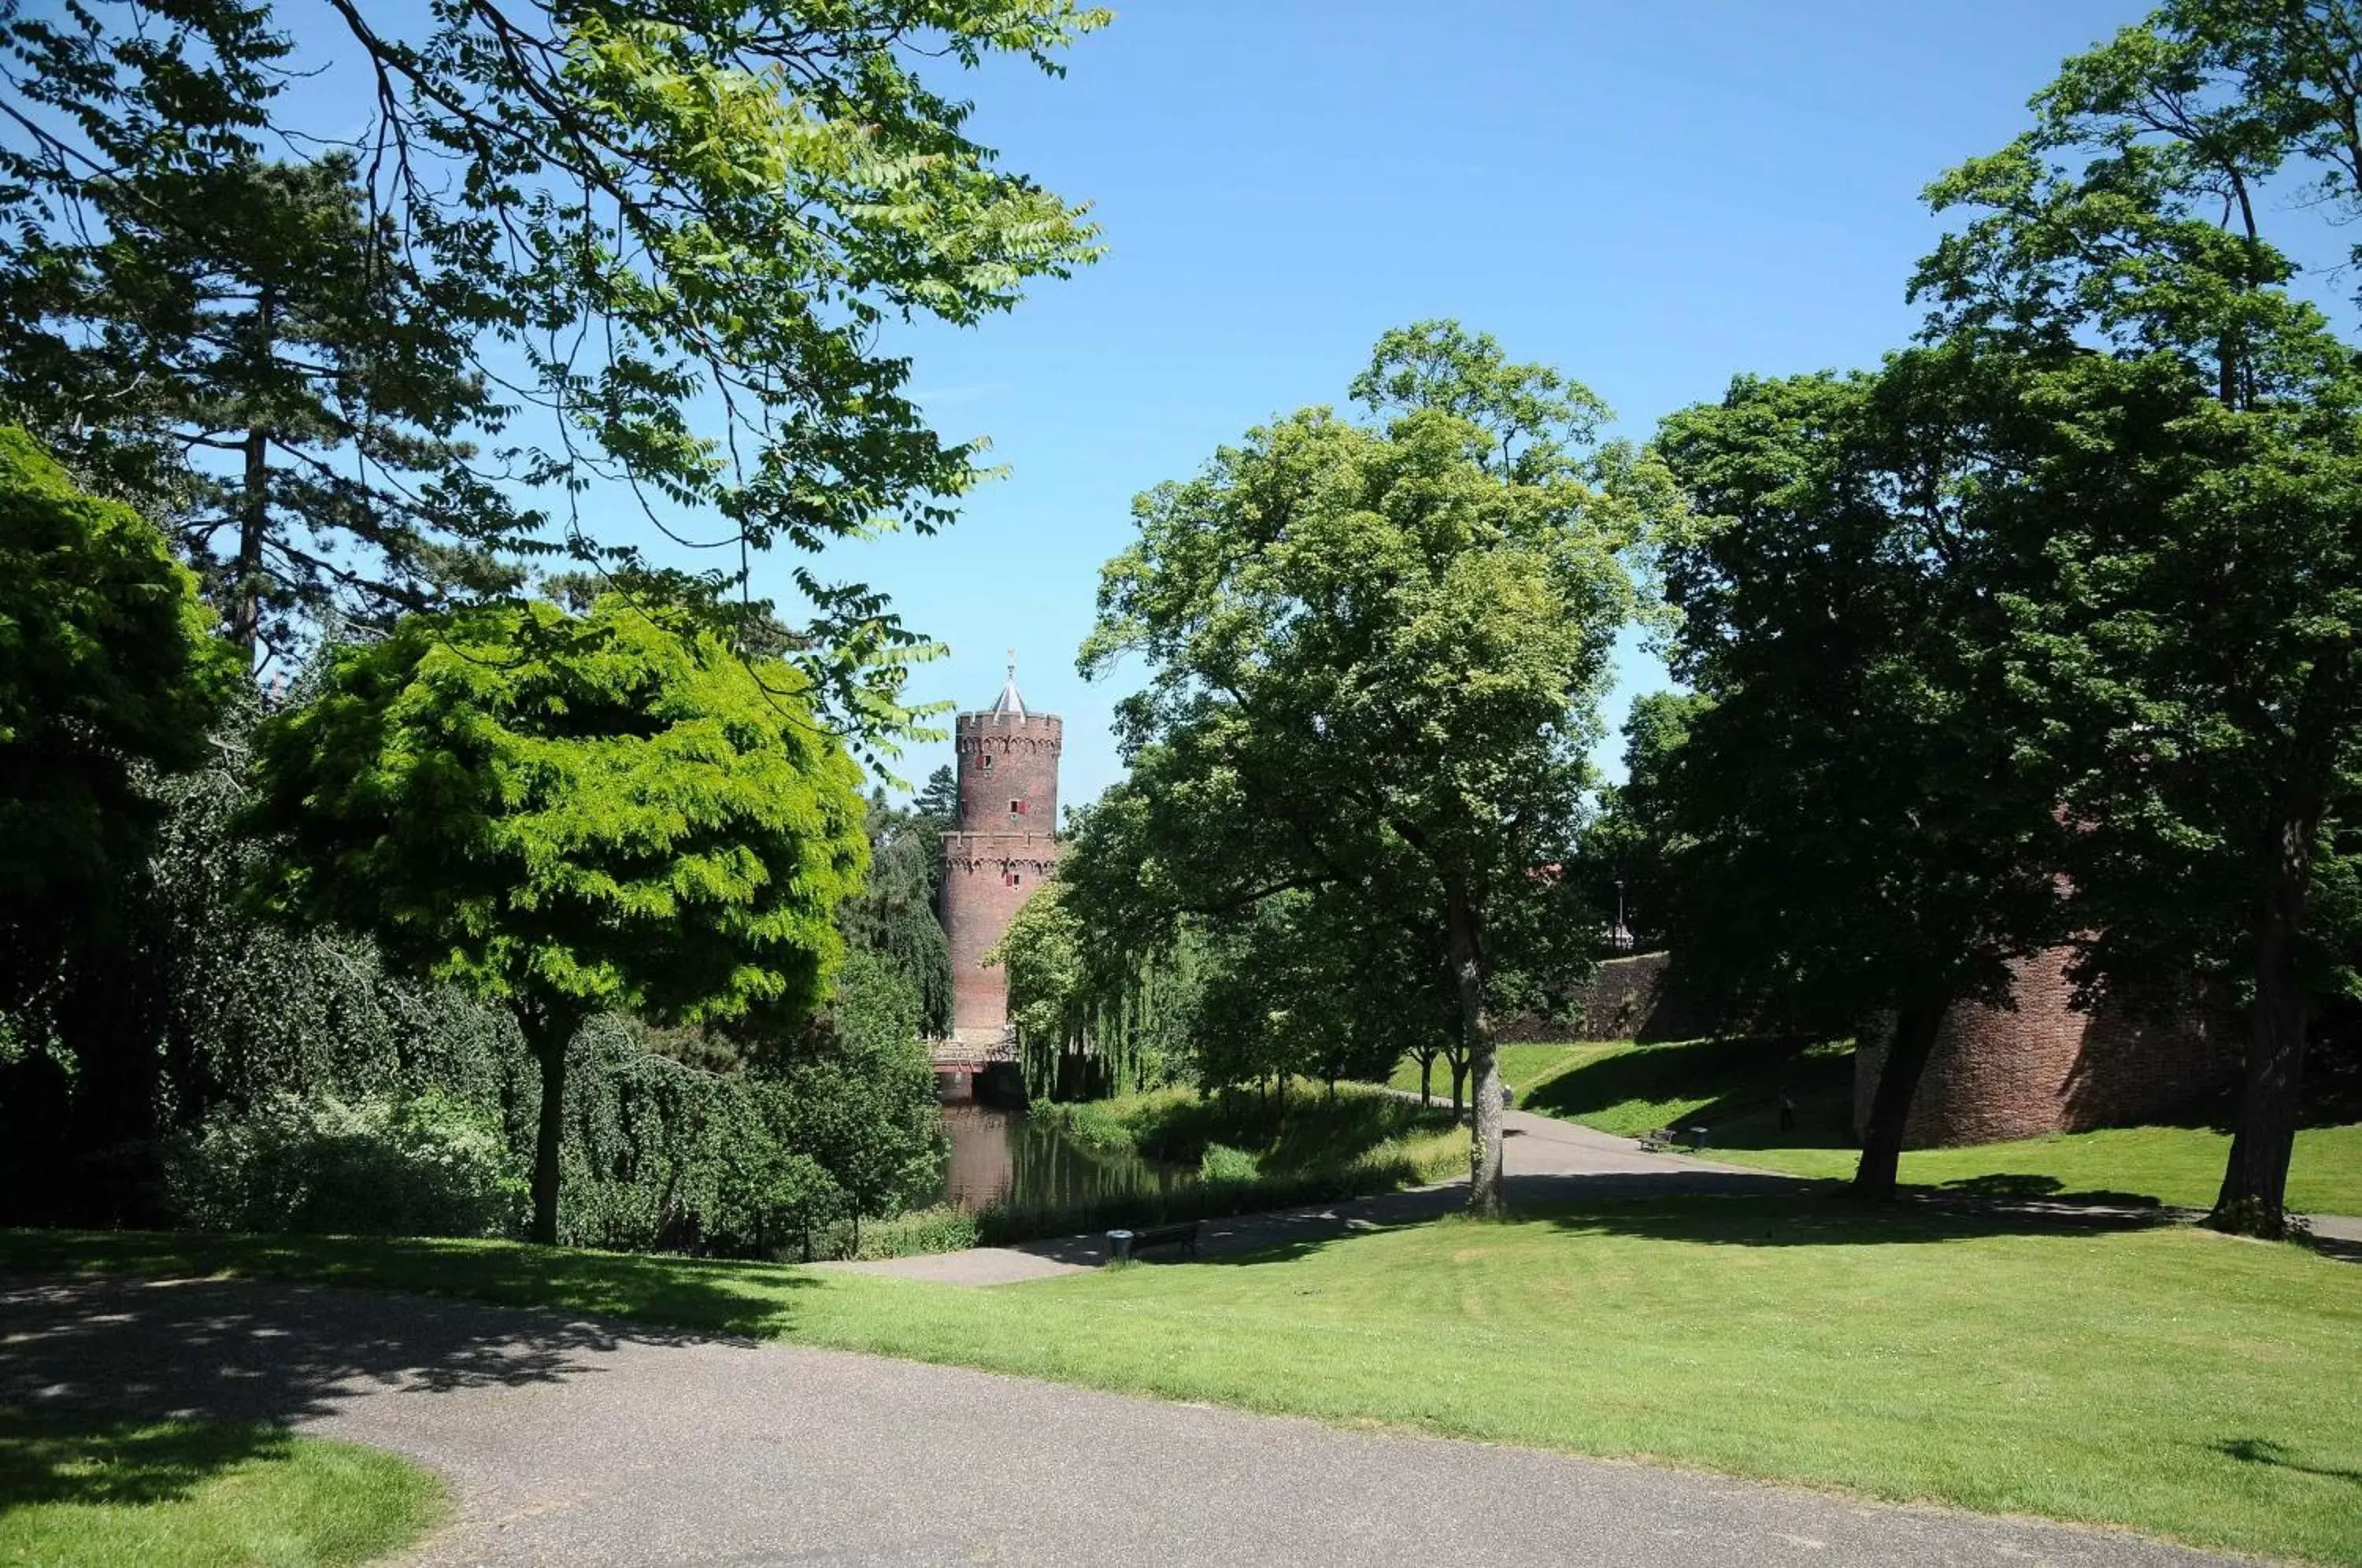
(1009,702)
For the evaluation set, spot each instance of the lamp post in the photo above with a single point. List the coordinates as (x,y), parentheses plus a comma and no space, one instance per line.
(1619,936)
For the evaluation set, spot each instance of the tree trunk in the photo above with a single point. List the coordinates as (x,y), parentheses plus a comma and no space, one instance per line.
(1459,1086)
(1427,1079)
(1916,1028)
(254,516)
(1485,1195)
(254,499)
(2254,1198)
(547,1036)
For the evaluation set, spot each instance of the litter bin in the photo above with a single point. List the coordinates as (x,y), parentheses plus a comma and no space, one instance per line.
(1119,1246)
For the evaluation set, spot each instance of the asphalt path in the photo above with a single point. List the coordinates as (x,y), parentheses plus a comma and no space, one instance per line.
(604,1445)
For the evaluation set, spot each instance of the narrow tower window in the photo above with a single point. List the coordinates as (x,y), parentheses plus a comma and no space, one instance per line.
(1016,808)
(985,762)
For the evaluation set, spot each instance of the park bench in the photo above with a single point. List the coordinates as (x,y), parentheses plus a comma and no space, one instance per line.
(1123,1245)
(1661,1139)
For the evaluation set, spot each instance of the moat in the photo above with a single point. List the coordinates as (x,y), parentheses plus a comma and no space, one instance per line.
(1005,1156)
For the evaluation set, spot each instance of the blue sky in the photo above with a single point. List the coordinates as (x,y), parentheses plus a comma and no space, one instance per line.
(1650,197)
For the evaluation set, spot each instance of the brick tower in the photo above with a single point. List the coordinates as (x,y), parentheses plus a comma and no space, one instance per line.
(1002,848)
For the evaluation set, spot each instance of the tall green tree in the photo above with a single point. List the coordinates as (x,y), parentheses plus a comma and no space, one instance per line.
(1375,659)
(240,350)
(1853,834)
(2194,483)
(673,240)
(569,815)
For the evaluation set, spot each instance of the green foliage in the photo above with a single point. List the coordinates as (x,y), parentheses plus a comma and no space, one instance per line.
(1852,827)
(865,1113)
(893,916)
(1633,839)
(2184,469)
(1092,1004)
(1375,660)
(105,671)
(1222,1163)
(771,189)
(419,1167)
(262,316)
(570,814)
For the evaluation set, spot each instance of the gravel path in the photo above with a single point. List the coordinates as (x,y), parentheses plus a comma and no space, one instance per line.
(605,1446)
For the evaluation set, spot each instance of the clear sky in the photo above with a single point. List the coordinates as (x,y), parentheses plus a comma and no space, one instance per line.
(1651,198)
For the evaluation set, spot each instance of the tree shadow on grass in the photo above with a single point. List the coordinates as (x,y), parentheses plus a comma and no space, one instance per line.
(1744,1077)
(1714,1208)
(162,1337)
(2279,1456)
(82,1459)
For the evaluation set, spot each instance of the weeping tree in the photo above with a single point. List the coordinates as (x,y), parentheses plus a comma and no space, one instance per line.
(894,915)
(569,815)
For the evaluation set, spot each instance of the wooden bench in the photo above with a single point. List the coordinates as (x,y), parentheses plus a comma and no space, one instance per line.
(1123,1245)
(1665,1140)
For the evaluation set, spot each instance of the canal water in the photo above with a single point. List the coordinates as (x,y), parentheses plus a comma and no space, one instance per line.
(1004,1157)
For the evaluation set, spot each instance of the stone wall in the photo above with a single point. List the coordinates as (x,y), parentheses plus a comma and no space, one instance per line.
(2045,1067)
(1627,999)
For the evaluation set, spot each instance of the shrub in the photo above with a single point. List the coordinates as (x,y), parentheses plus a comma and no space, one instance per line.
(420,1166)
(1222,1163)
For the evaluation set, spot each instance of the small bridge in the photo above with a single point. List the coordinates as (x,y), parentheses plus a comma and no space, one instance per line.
(979,1049)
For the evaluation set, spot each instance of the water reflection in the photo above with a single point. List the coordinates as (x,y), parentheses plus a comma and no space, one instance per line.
(1003,1157)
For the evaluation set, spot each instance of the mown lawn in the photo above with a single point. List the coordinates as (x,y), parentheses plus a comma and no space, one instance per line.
(85,1492)
(1732,1088)
(2163,1378)
(2179,1165)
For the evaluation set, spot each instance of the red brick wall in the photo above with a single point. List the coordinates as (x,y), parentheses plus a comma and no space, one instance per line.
(991,845)
(2047,1068)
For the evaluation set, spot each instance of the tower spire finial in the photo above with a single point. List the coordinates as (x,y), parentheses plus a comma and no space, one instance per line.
(1010,703)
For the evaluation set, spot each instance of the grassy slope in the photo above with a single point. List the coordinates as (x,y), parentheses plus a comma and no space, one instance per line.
(2168,1379)
(1732,1088)
(86,1492)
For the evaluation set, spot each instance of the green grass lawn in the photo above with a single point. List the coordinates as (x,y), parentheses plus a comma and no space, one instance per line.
(1524,1067)
(1732,1088)
(2179,1165)
(82,1492)
(2164,1378)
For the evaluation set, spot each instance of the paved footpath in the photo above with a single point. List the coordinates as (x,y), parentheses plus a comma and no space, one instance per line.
(593,1445)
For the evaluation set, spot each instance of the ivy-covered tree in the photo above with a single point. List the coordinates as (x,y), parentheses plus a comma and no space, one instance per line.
(674,242)
(1375,659)
(569,815)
